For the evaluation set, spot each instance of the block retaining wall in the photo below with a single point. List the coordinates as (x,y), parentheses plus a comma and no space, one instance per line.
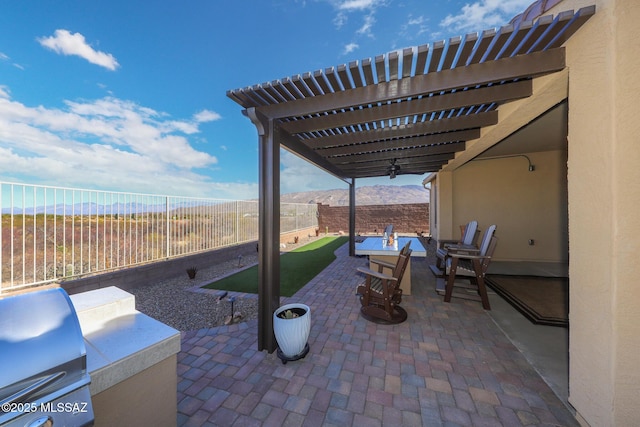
(407,218)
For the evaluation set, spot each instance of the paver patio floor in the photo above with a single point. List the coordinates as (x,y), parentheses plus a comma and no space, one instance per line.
(447,365)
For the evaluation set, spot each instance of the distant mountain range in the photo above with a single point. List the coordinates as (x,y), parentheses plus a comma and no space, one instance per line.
(91,208)
(369,195)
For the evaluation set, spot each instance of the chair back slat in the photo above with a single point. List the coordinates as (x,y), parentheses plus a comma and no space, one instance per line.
(401,266)
(486,239)
(469,232)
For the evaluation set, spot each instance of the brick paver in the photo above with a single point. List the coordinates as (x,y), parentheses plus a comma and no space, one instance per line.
(448,364)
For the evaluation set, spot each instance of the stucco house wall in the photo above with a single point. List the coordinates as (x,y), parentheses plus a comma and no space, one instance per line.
(526,205)
(603,196)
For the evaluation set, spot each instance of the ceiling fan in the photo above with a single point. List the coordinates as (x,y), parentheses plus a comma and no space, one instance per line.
(393,170)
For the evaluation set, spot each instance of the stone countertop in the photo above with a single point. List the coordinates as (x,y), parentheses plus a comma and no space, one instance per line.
(120,341)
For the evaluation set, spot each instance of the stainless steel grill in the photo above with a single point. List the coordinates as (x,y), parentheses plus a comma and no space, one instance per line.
(43,367)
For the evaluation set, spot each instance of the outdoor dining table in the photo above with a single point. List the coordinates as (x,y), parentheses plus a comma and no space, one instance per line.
(376,248)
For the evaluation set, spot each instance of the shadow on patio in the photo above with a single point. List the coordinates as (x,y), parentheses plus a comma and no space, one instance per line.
(448,364)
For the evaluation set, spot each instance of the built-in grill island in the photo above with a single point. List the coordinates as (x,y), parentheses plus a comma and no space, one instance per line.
(43,362)
(85,359)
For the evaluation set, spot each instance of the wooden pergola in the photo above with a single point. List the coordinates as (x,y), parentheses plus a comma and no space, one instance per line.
(419,110)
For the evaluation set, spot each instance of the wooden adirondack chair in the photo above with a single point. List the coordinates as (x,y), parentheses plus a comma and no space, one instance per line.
(472,267)
(469,240)
(380,294)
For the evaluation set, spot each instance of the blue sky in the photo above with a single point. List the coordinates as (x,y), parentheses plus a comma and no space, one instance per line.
(125,95)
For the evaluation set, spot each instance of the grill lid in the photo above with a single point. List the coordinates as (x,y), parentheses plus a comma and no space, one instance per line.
(42,350)
(38,331)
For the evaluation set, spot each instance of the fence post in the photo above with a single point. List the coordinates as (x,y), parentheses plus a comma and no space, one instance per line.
(166,210)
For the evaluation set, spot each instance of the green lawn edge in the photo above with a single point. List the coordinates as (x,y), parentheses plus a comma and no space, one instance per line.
(297,268)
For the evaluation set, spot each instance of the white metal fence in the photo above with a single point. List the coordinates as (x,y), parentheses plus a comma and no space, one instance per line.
(50,233)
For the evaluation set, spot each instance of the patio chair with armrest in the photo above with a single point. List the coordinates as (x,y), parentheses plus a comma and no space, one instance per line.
(380,294)
(469,240)
(472,267)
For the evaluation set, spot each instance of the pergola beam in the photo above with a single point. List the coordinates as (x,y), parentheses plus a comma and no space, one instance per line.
(435,143)
(414,129)
(427,104)
(383,162)
(405,154)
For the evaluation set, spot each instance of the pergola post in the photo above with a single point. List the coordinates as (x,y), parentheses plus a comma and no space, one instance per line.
(352,217)
(269,229)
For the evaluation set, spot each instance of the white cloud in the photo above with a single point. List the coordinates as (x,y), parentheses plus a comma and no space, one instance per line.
(414,29)
(5,57)
(415,21)
(344,7)
(207,116)
(340,20)
(108,144)
(348,48)
(365,29)
(351,5)
(484,14)
(65,43)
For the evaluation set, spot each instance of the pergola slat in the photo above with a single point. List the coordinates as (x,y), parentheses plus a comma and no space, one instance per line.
(407,62)
(436,54)
(579,19)
(380,69)
(301,86)
(526,31)
(343,75)
(292,88)
(322,82)
(452,51)
(421,62)
(312,84)
(330,74)
(498,43)
(367,70)
(481,46)
(393,65)
(536,31)
(355,73)
(520,34)
(469,42)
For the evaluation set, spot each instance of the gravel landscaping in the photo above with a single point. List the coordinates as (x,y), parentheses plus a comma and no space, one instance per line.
(180,302)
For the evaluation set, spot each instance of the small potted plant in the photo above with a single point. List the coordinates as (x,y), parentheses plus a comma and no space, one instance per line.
(191,272)
(291,326)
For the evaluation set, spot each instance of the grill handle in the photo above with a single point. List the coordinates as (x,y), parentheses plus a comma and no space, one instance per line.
(33,388)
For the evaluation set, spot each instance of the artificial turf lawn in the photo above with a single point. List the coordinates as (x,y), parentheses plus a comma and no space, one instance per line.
(297,268)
